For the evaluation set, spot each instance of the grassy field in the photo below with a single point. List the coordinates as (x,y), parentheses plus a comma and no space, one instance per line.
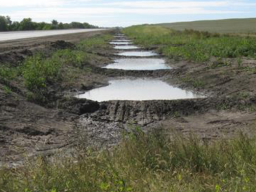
(244,26)
(192,45)
(143,163)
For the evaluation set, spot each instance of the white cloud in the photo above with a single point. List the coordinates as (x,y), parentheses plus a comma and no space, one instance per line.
(91,11)
(30,3)
(127,4)
(41,3)
(114,11)
(169,4)
(179,4)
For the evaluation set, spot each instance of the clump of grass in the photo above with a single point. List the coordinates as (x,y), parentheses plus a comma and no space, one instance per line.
(8,73)
(144,163)
(94,43)
(40,71)
(7,90)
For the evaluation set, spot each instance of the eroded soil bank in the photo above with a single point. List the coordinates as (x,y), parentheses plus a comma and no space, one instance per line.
(28,128)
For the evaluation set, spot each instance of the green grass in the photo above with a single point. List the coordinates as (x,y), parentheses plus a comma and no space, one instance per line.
(8,73)
(233,26)
(39,72)
(192,45)
(140,163)
(95,43)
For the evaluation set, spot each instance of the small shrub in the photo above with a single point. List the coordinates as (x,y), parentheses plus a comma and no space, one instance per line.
(39,72)
(8,73)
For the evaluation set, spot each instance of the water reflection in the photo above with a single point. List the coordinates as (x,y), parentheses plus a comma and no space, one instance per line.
(138,54)
(126,47)
(139,64)
(120,43)
(123,40)
(137,90)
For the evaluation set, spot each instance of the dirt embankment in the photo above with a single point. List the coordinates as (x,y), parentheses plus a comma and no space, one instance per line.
(29,128)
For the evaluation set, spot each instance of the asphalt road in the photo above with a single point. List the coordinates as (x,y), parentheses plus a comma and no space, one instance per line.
(8,36)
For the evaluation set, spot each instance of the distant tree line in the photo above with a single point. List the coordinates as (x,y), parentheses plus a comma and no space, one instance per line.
(6,24)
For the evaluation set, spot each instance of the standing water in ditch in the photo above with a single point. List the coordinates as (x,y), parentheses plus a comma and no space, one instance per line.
(139,64)
(137,90)
(122,40)
(120,43)
(137,54)
(126,47)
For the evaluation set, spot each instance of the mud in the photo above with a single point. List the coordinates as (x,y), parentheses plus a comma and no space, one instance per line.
(28,129)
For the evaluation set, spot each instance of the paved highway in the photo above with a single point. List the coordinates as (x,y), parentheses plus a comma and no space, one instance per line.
(8,36)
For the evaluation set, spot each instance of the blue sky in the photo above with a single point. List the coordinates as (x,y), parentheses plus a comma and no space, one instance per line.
(110,13)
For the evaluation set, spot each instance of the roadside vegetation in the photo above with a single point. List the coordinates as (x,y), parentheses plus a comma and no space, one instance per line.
(6,24)
(143,162)
(192,45)
(43,70)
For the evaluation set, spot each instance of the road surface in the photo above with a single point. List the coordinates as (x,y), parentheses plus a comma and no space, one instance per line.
(8,36)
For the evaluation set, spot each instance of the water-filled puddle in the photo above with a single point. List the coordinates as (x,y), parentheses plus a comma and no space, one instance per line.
(138,54)
(139,64)
(122,40)
(120,43)
(137,90)
(126,47)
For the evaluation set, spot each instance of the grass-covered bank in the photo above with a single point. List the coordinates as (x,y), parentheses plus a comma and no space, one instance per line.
(234,26)
(192,45)
(143,163)
(44,70)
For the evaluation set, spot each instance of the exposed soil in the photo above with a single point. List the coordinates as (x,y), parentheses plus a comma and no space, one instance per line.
(27,128)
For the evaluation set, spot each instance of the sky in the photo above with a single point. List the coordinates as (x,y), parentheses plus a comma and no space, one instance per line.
(110,13)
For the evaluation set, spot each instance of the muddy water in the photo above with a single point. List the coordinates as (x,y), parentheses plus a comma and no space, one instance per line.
(138,54)
(137,90)
(139,64)
(126,47)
